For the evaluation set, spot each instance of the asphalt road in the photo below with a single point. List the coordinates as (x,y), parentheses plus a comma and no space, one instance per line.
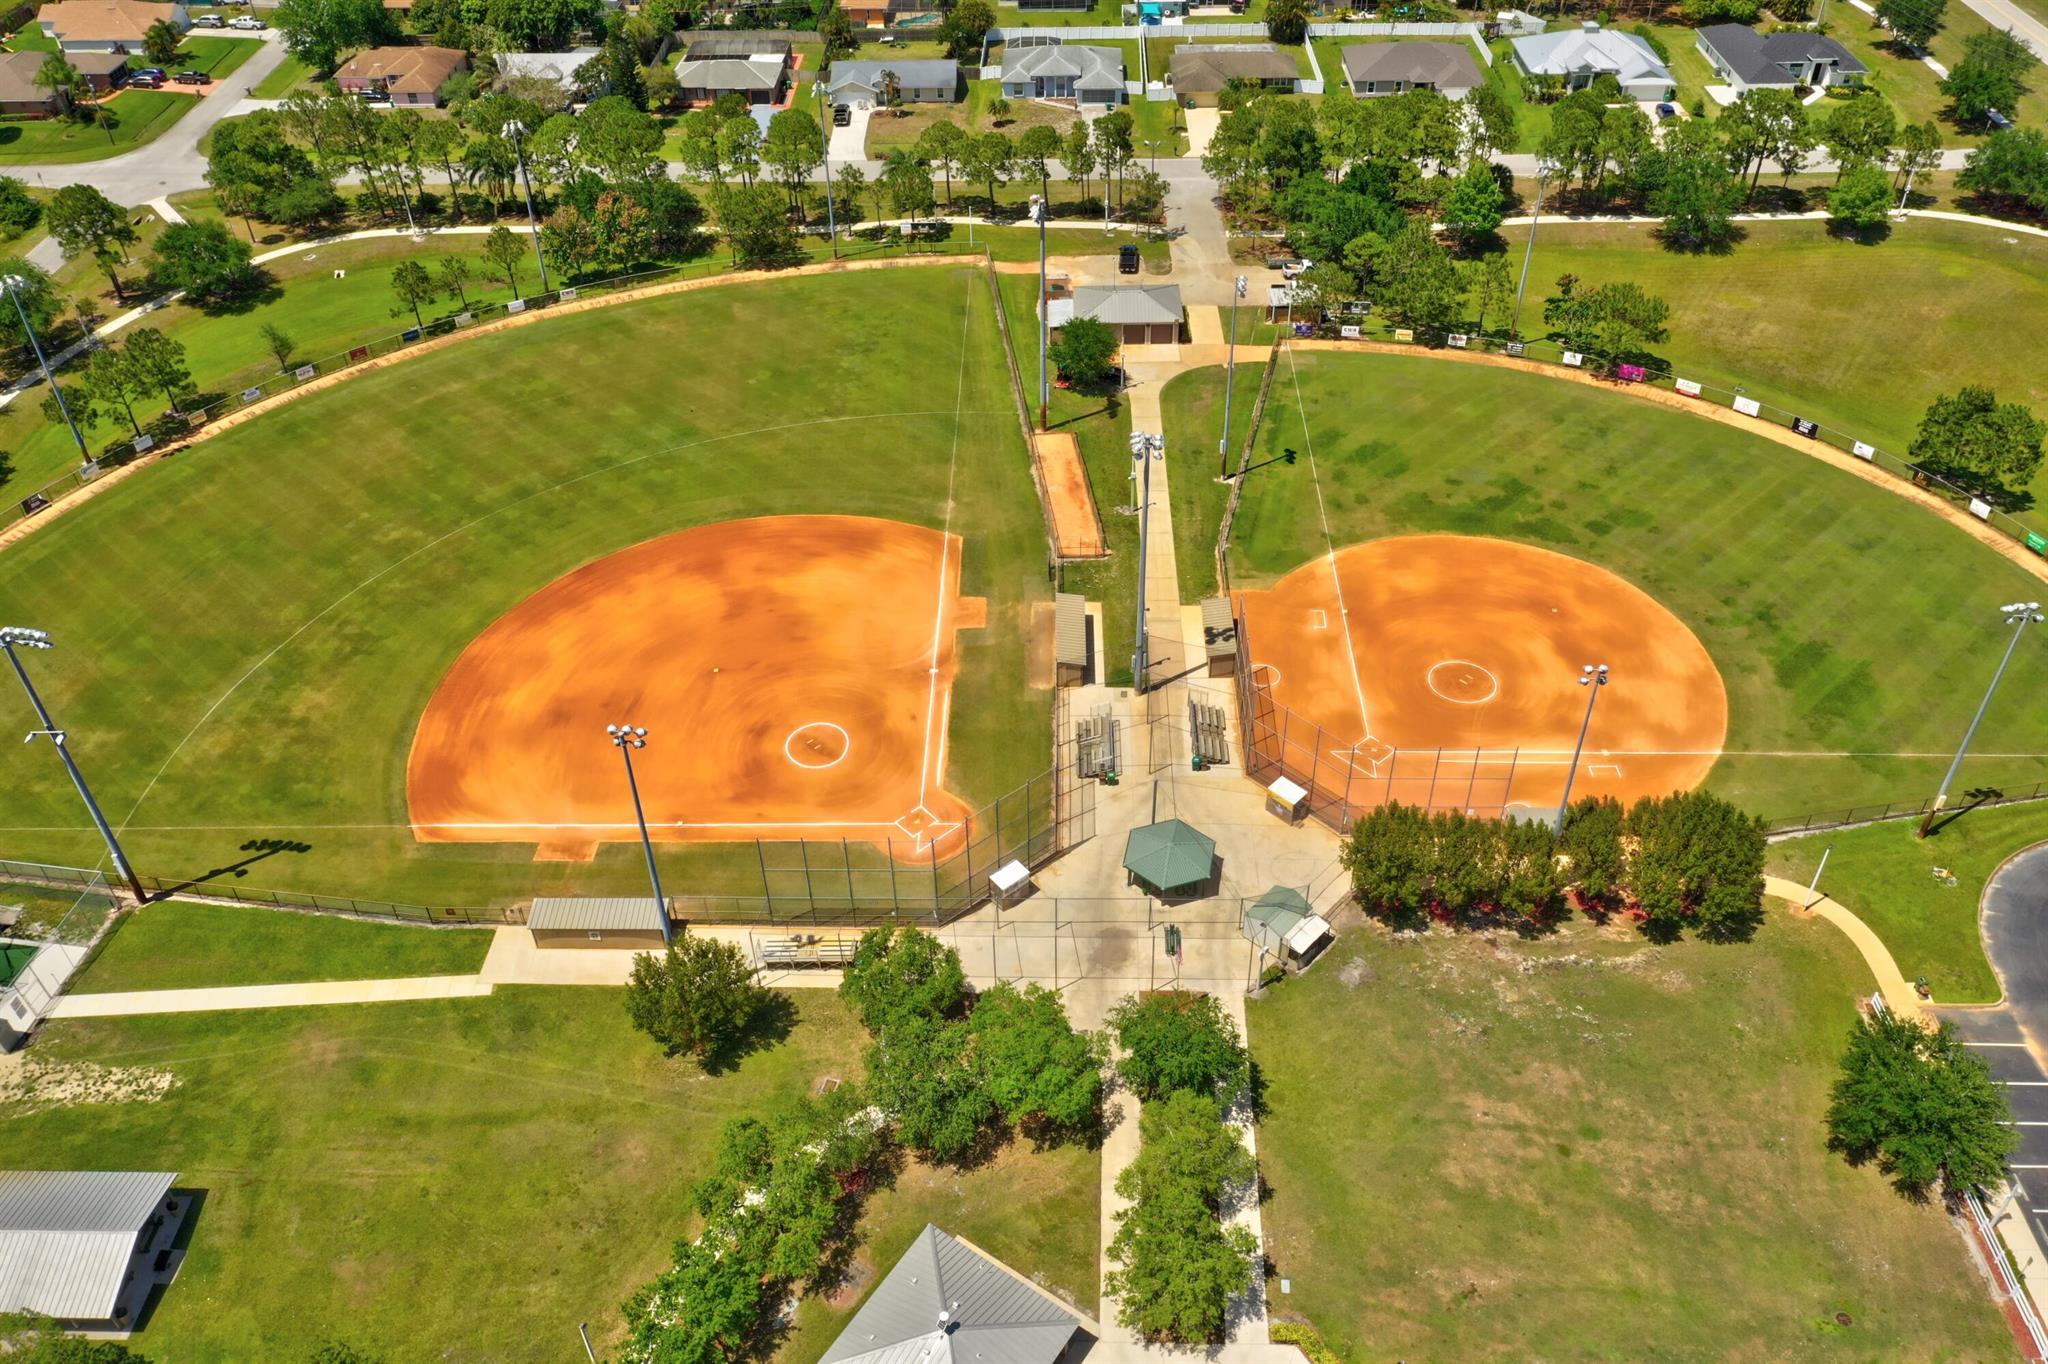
(2013,1037)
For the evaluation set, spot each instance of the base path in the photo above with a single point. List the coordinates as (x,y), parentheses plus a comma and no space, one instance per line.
(1077,528)
(795,673)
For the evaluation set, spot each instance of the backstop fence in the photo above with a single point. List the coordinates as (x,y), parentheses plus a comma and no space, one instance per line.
(47,938)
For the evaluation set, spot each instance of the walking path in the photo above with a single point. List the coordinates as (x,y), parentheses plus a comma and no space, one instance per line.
(130,1002)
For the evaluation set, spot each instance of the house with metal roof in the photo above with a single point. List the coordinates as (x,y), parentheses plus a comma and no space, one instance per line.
(1141,314)
(1582,55)
(925,81)
(563,68)
(1075,71)
(86,1247)
(1206,68)
(629,921)
(757,69)
(1748,60)
(1394,68)
(945,1302)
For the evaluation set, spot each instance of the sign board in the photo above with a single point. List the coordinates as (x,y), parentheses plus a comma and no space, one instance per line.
(1355,307)
(1349,331)
(89,470)
(567,295)
(143,442)
(409,335)
(1863,450)
(1404,334)
(1631,374)
(33,503)
(1573,358)
(1516,348)
(463,319)
(1748,407)
(1689,387)
(1806,426)
(250,395)
(308,371)
(1304,329)
(359,353)
(1980,509)
(1457,339)
(2037,542)
(517,305)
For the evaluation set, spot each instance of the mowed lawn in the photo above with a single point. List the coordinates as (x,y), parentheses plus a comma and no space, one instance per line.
(1591,1148)
(1886,873)
(1859,338)
(460,1180)
(248,633)
(1844,620)
(132,118)
(185,945)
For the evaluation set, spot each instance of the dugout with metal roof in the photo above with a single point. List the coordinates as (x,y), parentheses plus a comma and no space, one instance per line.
(633,921)
(1219,636)
(1070,638)
(76,1244)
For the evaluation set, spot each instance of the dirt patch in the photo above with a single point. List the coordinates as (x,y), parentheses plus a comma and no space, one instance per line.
(1040,644)
(794,674)
(1077,528)
(28,1083)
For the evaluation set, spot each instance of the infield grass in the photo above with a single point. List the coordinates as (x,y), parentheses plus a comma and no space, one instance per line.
(1591,1148)
(1854,631)
(251,630)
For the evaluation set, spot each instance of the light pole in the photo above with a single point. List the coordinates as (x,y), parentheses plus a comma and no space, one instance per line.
(2019,615)
(626,738)
(1038,215)
(14,284)
(514,130)
(14,637)
(831,215)
(1592,677)
(1152,150)
(1238,286)
(1543,173)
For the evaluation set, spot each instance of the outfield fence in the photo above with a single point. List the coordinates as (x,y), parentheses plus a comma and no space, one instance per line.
(254,383)
(1977,798)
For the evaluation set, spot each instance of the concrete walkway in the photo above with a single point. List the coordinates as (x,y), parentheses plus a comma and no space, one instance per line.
(1899,997)
(131,1002)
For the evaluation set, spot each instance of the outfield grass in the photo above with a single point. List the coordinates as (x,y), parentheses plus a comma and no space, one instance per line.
(1844,620)
(462,1179)
(183,945)
(1860,338)
(133,117)
(1191,408)
(250,632)
(1885,873)
(1591,1148)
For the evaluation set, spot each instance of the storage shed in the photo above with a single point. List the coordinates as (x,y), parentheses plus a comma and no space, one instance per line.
(1219,636)
(1070,639)
(597,921)
(1281,923)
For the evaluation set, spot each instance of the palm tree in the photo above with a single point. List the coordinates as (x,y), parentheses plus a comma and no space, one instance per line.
(59,77)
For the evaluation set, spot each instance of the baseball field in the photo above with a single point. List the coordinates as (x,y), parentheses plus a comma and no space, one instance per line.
(263,638)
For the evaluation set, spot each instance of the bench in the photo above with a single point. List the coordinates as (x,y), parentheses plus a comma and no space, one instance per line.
(806,952)
(1095,741)
(1209,732)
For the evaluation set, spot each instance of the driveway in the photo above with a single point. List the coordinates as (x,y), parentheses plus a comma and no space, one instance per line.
(850,144)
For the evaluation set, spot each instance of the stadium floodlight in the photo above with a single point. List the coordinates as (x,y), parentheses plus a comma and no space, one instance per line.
(1544,170)
(1039,213)
(13,638)
(831,213)
(2019,615)
(1592,677)
(14,284)
(514,130)
(626,738)
(1238,287)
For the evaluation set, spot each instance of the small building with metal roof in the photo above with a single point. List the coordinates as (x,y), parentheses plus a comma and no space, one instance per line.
(1282,922)
(1070,639)
(631,921)
(1140,314)
(945,1302)
(1219,636)
(77,1245)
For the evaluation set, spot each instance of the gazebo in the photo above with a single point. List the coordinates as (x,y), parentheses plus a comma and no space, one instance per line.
(1282,923)
(1168,856)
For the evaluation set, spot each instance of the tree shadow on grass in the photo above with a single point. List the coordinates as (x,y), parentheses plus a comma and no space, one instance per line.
(770,1025)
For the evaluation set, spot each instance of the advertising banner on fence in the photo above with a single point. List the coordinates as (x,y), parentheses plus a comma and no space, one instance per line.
(1457,339)
(359,353)
(1863,450)
(2037,542)
(517,305)
(1805,426)
(1689,387)
(1748,407)
(1573,358)
(1516,348)
(1631,374)
(144,442)
(1349,332)
(1980,509)
(409,335)
(568,295)
(463,319)
(33,503)
(305,372)
(250,395)
(1404,334)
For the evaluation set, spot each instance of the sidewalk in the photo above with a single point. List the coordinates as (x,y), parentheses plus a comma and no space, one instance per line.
(131,1002)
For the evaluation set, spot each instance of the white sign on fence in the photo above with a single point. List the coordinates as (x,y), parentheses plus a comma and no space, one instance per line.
(1457,339)
(1404,334)
(517,305)
(1348,332)
(1980,509)
(1863,450)
(1573,358)
(463,319)
(144,442)
(1689,387)
(250,395)
(304,372)
(568,295)
(1748,407)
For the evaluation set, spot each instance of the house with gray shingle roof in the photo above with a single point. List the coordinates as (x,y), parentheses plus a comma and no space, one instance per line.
(1206,68)
(945,1302)
(1395,68)
(1075,71)
(86,1247)
(1748,60)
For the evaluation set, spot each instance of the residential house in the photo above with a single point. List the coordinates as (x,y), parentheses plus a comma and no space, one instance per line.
(562,68)
(87,1247)
(887,13)
(1582,55)
(1748,60)
(934,81)
(1206,68)
(946,1302)
(106,25)
(1393,68)
(406,75)
(21,97)
(1517,23)
(757,69)
(1051,6)
(1140,314)
(1086,75)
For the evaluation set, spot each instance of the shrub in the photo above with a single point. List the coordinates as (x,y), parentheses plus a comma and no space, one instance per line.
(699,997)
(1922,1105)
(1180,1264)
(1178,1041)
(898,973)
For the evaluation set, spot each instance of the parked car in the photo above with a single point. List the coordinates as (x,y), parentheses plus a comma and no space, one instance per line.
(1127,260)
(155,71)
(375,94)
(1999,122)
(1292,269)
(193,78)
(209,21)
(842,116)
(1667,111)
(247,22)
(143,80)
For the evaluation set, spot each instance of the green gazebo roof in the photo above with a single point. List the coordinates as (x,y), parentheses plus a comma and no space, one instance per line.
(1283,907)
(1169,854)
